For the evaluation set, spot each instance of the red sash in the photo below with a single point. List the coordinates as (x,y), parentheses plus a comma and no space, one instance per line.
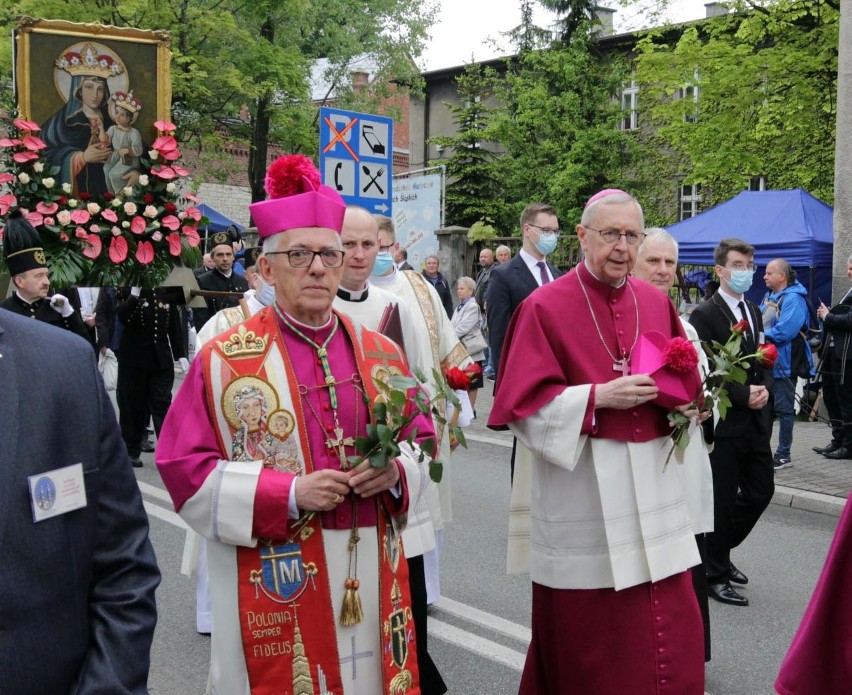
(286,616)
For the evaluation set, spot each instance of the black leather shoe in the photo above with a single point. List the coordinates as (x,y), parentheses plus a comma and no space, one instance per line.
(841,453)
(738,577)
(147,445)
(136,461)
(724,593)
(832,446)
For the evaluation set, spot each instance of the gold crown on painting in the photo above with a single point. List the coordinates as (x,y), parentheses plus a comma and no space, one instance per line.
(126,100)
(89,62)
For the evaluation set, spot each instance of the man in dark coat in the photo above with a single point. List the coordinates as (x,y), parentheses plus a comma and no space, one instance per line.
(27,265)
(152,339)
(436,279)
(77,608)
(221,279)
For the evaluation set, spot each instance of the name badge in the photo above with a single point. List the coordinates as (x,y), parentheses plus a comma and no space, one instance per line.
(57,492)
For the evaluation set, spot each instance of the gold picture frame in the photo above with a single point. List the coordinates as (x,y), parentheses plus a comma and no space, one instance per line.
(53,57)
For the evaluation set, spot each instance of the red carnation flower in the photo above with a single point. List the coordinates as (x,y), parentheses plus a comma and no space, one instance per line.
(767,354)
(63,200)
(680,356)
(740,327)
(284,177)
(170,207)
(148,198)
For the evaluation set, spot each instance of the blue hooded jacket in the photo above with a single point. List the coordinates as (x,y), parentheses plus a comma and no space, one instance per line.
(786,324)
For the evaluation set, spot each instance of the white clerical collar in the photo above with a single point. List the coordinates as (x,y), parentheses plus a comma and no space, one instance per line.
(594,275)
(348,295)
(26,301)
(385,280)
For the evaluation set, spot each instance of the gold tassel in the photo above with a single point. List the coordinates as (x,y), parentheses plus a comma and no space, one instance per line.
(351,613)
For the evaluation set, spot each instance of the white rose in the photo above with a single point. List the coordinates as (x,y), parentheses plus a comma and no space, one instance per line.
(150,211)
(72,203)
(128,191)
(93,208)
(48,182)
(117,202)
(153,154)
(116,231)
(66,187)
(130,208)
(143,180)
(24,177)
(156,224)
(38,167)
(125,225)
(157,236)
(170,187)
(64,217)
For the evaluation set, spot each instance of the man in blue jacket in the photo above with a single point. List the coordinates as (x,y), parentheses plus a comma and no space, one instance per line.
(785,316)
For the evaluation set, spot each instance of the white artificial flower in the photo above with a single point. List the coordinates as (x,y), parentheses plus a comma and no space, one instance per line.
(170,187)
(130,208)
(93,208)
(125,224)
(150,211)
(72,203)
(63,217)
(153,154)
(143,180)
(48,182)
(117,202)
(157,236)
(38,167)
(128,191)
(66,187)
(24,177)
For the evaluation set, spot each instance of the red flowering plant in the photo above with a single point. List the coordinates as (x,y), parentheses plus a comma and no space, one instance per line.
(133,237)
(726,364)
(461,379)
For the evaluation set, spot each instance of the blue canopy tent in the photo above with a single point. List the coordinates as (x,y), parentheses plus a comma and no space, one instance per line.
(779,224)
(218,222)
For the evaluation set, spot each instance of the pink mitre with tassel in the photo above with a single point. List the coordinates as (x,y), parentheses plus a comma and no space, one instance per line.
(297,199)
(603,194)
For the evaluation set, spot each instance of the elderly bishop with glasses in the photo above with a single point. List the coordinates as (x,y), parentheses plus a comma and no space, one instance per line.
(598,519)
(309,583)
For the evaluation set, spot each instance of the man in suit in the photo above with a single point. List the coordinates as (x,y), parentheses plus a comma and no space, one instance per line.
(400,257)
(837,373)
(512,282)
(77,609)
(221,279)
(742,456)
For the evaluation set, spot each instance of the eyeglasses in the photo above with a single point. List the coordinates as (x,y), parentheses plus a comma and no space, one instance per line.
(751,267)
(611,236)
(545,230)
(304,258)
(385,249)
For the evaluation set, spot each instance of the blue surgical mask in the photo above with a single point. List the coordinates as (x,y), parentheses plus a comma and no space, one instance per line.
(266,295)
(546,243)
(741,280)
(382,264)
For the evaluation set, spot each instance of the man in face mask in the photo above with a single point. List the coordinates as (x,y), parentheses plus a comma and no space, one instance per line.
(512,282)
(742,457)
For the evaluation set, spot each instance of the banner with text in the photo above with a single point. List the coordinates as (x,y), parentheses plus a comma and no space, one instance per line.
(417,214)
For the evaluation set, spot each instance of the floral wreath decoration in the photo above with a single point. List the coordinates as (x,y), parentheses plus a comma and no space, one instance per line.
(135,237)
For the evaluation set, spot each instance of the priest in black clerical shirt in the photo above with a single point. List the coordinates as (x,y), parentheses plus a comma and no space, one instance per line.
(221,278)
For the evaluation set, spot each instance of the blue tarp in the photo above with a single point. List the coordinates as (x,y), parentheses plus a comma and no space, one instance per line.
(218,222)
(779,224)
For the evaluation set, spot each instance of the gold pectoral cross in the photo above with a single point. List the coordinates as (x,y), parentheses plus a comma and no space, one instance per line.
(339,443)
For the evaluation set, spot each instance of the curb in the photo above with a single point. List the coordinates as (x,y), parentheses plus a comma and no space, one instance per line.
(808,501)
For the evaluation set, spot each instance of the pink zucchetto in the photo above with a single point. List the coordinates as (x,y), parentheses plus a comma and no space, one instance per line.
(603,194)
(297,199)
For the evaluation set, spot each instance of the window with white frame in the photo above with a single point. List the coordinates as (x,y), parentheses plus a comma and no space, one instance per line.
(690,92)
(690,200)
(757,183)
(629,106)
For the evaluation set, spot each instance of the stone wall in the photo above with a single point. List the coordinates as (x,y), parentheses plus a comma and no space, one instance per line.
(231,201)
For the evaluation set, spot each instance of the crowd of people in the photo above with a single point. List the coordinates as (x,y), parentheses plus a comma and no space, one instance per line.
(308,551)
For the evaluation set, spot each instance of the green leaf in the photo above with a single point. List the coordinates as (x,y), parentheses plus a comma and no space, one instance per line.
(398,400)
(385,433)
(378,460)
(436,470)
(428,446)
(403,383)
(459,435)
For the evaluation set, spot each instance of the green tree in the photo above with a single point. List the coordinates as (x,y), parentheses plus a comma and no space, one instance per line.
(473,192)
(766,80)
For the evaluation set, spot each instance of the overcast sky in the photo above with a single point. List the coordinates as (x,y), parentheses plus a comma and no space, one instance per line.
(466,29)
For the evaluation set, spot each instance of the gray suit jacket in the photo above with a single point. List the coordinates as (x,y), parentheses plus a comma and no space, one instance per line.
(77,609)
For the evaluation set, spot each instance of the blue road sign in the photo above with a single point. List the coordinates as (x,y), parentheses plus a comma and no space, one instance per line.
(356,157)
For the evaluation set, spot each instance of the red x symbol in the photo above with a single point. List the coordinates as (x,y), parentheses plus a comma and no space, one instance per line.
(338,137)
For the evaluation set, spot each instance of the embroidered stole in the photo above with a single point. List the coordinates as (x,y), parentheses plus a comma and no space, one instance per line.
(286,618)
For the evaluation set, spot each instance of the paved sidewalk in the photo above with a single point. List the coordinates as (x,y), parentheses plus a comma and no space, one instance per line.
(813,482)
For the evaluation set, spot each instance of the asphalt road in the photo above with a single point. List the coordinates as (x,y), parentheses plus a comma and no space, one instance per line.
(479,631)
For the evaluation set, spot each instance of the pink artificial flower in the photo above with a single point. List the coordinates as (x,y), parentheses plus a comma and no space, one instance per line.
(22,124)
(157,236)
(7,202)
(193,198)
(179,170)
(34,218)
(49,221)
(93,246)
(10,142)
(170,222)
(145,252)
(64,217)
(171,155)
(137,225)
(191,234)
(80,216)
(174,243)
(22,157)
(94,229)
(150,211)
(6,178)
(47,208)
(194,213)
(165,173)
(165,126)
(80,233)
(115,231)
(118,249)
(109,215)
(34,144)
(165,143)
(93,208)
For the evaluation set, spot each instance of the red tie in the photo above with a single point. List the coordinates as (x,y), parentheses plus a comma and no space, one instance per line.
(542,268)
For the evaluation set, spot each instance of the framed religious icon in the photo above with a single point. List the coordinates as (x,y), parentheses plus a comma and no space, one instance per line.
(96,91)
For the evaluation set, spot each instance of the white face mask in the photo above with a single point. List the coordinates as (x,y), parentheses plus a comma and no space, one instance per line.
(266,296)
